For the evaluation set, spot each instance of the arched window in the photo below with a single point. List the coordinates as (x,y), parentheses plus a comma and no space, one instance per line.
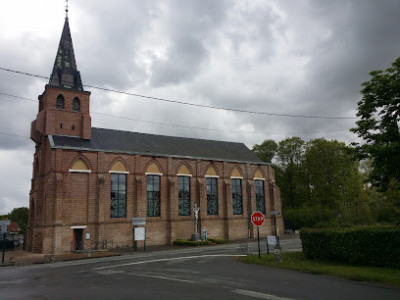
(212,191)
(237,201)
(184,191)
(259,180)
(60,102)
(76,105)
(118,190)
(153,175)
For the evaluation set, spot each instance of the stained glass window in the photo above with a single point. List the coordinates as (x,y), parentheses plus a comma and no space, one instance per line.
(153,196)
(237,197)
(260,196)
(184,195)
(118,196)
(212,196)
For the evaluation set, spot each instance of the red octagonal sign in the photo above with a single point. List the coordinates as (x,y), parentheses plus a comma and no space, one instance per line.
(257,218)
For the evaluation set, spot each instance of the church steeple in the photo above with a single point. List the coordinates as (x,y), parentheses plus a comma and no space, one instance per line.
(64,105)
(65,73)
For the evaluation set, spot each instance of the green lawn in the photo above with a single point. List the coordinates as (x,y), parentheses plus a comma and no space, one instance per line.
(297,261)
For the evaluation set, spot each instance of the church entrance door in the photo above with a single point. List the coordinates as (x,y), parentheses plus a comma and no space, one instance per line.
(78,239)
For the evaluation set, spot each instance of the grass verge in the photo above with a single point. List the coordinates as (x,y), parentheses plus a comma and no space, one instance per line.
(297,261)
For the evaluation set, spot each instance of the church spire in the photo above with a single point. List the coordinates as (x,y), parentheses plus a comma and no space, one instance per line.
(65,73)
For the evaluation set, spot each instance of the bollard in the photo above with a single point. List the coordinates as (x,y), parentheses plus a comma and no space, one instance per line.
(278,253)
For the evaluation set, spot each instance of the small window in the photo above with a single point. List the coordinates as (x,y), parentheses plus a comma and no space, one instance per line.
(76,105)
(60,102)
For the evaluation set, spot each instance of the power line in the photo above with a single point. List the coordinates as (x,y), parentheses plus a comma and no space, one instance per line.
(177,125)
(13,134)
(191,104)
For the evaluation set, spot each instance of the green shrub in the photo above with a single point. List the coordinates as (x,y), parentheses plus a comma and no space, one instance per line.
(371,246)
(184,242)
(218,241)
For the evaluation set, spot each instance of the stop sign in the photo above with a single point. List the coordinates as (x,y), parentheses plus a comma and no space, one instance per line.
(257,218)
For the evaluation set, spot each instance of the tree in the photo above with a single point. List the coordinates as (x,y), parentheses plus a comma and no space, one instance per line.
(290,151)
(379,125)
(266,151)
(334,179)
(290,176)
(20,215)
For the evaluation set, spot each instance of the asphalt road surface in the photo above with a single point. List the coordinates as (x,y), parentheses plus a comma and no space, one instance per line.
(187,273)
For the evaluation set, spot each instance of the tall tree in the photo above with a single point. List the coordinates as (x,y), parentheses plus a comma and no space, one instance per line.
(266,150)
(290,151)
(334,179)
(290,176)
(379,125)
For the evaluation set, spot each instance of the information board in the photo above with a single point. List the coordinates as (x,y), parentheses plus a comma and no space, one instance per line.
(4,224)
(271,239)
(140,233)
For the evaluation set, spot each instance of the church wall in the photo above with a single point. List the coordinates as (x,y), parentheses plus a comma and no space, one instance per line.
(84,200)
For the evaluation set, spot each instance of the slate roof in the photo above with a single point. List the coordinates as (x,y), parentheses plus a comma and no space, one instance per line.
(117,141)
(65,72)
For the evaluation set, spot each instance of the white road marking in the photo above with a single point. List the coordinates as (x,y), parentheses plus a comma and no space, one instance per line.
(258,295)
(163,277)
(166,259)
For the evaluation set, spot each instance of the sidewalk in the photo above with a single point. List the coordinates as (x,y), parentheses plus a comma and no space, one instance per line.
(20,257)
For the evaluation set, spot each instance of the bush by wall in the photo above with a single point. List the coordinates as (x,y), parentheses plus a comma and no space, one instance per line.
(370,246)
(185,242)
(217,241)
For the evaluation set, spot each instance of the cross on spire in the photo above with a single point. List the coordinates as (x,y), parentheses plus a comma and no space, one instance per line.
(66,8)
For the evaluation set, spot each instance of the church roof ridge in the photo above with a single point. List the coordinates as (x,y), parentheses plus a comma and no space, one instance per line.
(165,135)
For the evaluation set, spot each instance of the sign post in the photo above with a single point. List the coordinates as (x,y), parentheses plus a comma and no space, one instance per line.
(4,224)
(257,219)
(277,251)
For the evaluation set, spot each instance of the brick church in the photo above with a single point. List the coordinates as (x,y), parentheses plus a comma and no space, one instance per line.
(88,183)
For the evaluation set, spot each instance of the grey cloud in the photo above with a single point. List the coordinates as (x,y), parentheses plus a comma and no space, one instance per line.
(184,60)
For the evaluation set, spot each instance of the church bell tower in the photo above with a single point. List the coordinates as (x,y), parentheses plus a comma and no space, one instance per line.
(63,110)
(64,105)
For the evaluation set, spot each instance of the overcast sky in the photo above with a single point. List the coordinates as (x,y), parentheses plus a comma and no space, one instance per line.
(304,58)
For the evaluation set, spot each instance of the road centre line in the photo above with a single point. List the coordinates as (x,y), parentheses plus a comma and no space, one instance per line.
(167,259)
(258,295)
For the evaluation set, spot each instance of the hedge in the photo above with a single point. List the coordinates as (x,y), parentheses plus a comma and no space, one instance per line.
(185,242)
(370,246)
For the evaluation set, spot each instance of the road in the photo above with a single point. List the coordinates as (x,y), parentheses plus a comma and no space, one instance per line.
(197,273)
